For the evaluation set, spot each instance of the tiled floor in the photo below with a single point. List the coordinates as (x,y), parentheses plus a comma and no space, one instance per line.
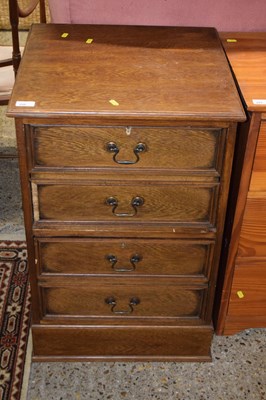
(237,372)
(11,218)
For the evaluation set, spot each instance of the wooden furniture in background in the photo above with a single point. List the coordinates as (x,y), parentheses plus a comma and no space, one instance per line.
(10,56)
(125,137)
(243,299)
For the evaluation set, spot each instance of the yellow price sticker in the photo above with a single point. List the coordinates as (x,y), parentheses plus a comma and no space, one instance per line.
(240,294)
(114,102)
(231,40)
(64,35)
(89,41)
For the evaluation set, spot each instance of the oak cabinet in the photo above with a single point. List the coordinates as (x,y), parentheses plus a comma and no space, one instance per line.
(125,160)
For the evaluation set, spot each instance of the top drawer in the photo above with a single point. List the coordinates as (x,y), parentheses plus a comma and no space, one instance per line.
(127,147)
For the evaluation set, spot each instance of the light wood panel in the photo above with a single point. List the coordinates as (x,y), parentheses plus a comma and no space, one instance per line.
(242,295)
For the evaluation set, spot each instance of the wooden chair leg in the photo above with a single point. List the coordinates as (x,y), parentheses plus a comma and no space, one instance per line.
(14,21)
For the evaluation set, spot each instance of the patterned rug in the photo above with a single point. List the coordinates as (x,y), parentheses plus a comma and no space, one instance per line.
(14,317)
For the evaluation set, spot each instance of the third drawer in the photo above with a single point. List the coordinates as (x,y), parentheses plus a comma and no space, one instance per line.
(125,256)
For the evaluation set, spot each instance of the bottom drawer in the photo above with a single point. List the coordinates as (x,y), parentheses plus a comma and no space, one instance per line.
(143,343)
(95,298)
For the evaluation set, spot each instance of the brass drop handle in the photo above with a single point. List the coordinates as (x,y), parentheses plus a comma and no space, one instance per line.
(133,261)
(111,301)
(135,203)
(112,147)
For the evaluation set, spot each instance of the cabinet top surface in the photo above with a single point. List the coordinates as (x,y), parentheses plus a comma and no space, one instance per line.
(124,72)
(247,55)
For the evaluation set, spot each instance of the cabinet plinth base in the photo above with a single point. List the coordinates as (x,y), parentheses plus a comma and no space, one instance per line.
(52,343)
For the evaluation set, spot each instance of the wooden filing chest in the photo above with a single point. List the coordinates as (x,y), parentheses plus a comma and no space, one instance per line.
(243,299)
(125,159)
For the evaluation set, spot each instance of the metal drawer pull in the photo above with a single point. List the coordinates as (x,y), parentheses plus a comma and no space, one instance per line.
(112,147)
(111,301)
(133,261)
(135,203)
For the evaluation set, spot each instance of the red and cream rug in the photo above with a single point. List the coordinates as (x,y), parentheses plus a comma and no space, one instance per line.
(14,317)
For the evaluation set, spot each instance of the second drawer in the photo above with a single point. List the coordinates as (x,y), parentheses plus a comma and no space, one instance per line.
(155,202)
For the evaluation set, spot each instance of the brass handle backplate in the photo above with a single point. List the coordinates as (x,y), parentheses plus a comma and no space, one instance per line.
(111,301)
(135,203)
(133,261)
(112,147)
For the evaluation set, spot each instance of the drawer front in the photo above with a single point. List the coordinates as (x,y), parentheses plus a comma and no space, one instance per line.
(178,148)
(248,293)
(120,299)
(252,241)
(123,256)
(186,203)
(258,177)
